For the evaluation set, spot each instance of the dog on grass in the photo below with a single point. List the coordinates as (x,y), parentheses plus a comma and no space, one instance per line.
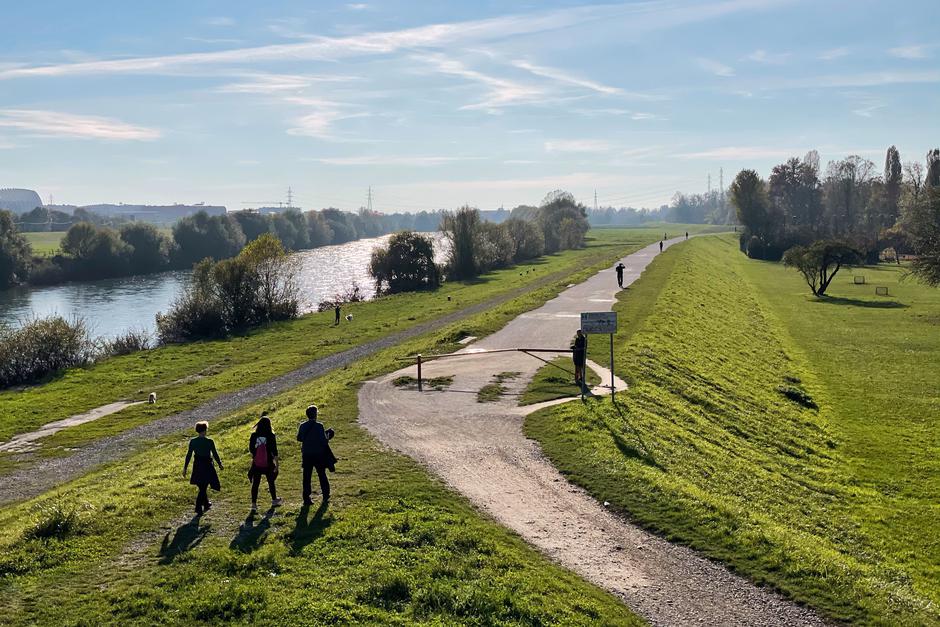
(152,398)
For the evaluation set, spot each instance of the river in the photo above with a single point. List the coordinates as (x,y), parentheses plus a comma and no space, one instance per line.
(112,306)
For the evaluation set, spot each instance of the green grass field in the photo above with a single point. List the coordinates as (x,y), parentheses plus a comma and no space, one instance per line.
(394,546)
(551,382)
(717,443)
(45,244)
(185,375)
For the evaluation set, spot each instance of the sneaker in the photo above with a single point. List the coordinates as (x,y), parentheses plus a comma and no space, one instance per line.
(254,507)
(276,502)
(208,506)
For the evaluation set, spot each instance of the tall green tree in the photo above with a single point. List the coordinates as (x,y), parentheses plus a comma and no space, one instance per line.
(150,249)
(563,221)
(406,264)
(749,197)
(820,262)
(461,228)
(923,224)
(893,180)
(15,252)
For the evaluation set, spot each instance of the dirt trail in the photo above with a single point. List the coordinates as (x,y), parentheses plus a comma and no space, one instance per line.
(25,442)
(480,450)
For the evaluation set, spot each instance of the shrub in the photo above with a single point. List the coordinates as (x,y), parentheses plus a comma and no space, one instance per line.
(57,521)
(41,347)
(46,271)
(130,341)
(405,265)
(351,295)
(755,248)
(15,252)
(819,262)
(257,286)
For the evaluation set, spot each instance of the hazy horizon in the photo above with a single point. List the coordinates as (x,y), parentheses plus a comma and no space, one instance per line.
(439,106)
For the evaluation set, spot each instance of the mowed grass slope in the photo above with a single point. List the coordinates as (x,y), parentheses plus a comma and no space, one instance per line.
(794,439)
(185,375)
(45,244)
(393,547)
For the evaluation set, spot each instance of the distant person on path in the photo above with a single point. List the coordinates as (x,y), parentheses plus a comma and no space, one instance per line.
(687,235)
(578,355)
(264,461)
(660,246)
(665,236)
(620,267)
(336,321)
(204,474)
(315,447)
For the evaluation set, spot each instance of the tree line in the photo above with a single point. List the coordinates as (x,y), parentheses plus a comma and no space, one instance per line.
(476,246)
(92,250)
(849,213)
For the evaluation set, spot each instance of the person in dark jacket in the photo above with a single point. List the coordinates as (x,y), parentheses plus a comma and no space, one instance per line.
(620,268)
(579,355)
(316,452)
(202,451)
(264,461)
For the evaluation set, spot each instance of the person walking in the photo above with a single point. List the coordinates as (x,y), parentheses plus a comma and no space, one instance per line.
(201,452)
(316,453)
(336,321)
(578,356)
(264,461)
(620,268)
(660,246)
(687,235)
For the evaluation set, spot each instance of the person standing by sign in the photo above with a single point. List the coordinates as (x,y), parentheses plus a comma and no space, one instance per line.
(579,355)
(620,267)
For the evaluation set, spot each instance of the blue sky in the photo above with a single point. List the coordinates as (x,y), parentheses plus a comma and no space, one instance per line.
(440,104)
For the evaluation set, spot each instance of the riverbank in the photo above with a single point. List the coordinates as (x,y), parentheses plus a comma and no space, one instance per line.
(185,376)
(394,545)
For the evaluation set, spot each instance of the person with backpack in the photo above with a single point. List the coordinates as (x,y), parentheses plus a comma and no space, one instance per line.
(201,452)
(316,453)
(579,356)
(263,448)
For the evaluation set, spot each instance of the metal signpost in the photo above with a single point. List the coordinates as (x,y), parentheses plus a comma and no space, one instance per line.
(600,322)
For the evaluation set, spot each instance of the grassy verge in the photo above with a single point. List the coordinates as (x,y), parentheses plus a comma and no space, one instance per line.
(394,546)
(184,376)
(717,443)
(551,382)
(45,243)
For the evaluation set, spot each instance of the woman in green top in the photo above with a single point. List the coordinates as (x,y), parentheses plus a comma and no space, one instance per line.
(204,474)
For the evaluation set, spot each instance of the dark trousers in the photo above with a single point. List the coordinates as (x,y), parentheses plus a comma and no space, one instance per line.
(202,499)
(620,279)
(256,482)
(321,475)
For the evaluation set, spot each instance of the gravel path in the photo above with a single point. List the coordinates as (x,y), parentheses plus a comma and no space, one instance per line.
(34,478)
(480,450)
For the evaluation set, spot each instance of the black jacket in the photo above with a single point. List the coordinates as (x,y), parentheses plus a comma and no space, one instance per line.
(314,444)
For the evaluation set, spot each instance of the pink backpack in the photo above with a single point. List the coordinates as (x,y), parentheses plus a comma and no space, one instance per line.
(261,452)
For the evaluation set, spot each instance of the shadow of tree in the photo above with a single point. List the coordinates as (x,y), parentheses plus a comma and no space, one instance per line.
(854,302)
(250,536)
(306,531)
(185,538)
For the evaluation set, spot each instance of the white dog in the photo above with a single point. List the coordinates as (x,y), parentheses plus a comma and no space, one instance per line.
(152,398)
(348,317)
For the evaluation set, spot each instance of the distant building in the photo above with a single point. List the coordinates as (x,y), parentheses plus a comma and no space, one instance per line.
(19,200)
(156,214)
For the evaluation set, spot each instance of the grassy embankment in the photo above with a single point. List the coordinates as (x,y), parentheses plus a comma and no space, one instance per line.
(186,375)
(717,443)
(46,243)
(394,546)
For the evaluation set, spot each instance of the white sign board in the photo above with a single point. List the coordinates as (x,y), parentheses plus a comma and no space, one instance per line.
(599,321)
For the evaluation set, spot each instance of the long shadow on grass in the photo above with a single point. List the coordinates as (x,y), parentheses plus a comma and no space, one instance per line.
(250,535)
(186,538)
(306,531)
(626,449)
(854,302)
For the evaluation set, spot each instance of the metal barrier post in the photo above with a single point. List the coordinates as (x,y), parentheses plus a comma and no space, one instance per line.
(611,365)
(420,388)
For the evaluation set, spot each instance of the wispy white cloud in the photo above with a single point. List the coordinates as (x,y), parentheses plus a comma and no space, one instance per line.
(357,6)
(577,145)
(215,40)
(921,51)
(715,67)
(834,53)
(740,153)
(639,18)
(267,83)
(863,79)
(563,77)
(393,160)
(502,91)
(56,124)
(868,110)
(762,56)
(642,116)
